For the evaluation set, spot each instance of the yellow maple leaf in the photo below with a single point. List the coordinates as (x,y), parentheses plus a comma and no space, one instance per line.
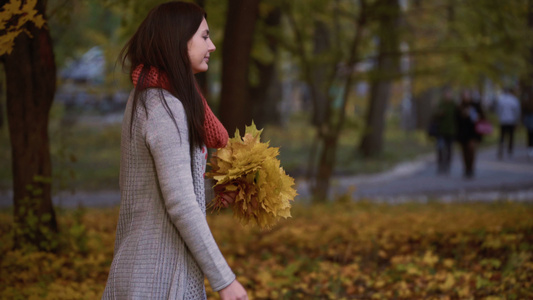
(26,13)
(250,168)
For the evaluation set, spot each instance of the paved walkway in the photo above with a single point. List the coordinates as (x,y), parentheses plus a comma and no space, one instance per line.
(510,178)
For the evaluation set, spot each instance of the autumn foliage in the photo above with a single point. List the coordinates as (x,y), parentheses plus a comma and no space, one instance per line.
(337,251)
(250,168)
(14,15)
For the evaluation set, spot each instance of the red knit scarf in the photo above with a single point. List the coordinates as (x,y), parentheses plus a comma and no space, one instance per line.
(216,135)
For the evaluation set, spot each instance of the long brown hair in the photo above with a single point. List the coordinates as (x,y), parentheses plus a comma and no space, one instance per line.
(161,42)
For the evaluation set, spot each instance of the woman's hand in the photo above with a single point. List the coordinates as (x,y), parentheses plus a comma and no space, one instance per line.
(227,198)
(234,291)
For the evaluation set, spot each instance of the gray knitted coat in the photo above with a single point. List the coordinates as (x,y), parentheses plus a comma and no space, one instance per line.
(163,244)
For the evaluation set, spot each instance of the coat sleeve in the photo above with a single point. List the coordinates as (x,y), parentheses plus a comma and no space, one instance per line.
(170,151)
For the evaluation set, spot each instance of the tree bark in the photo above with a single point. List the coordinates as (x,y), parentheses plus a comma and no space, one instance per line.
(372,139)
(423,103)
(326,164)
(326,147)
(238,37)
(328,133)
(30,72)
(1,102)
(321,74)
(526,83)
(266,95)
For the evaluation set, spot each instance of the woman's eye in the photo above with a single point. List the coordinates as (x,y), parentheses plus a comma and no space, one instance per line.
(206,37)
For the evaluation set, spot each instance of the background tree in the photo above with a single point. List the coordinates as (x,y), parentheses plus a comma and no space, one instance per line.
(326,66)
(30,73)
(385,71)
(265,80)
(465,44)
(526,81)
(2,101)
(237,44)
(462,43)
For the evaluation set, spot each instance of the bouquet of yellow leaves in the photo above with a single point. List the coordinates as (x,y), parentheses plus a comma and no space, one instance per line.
(249,168)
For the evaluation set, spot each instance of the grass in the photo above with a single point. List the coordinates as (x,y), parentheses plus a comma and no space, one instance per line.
(295,142)
(86,155)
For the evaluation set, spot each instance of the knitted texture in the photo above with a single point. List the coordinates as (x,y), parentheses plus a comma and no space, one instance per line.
(216,136)
(163,245)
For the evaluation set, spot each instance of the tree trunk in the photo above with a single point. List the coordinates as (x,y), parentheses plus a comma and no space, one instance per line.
(1,101)
(266,95)
(1,114)
(321,74)
(30,79)
(322,115)
(423,103)
(311,160)
(372,139)
(526,83)
(238,37)
(316,78)
(326,165)
(328,133)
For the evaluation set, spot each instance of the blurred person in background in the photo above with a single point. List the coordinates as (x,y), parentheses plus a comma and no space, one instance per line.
(469,112)
(444,127)
(163,245)
(527,111)
(508,111)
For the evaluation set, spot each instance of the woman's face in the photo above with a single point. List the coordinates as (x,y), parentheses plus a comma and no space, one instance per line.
(200,46)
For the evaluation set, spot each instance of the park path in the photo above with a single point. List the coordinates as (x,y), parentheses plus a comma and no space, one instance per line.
(510,178)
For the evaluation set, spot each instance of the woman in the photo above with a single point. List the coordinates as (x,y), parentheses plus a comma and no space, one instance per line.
(469,113)
(163,244)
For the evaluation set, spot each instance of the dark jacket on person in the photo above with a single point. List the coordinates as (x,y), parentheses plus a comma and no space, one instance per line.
(468,114)
(444,119)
